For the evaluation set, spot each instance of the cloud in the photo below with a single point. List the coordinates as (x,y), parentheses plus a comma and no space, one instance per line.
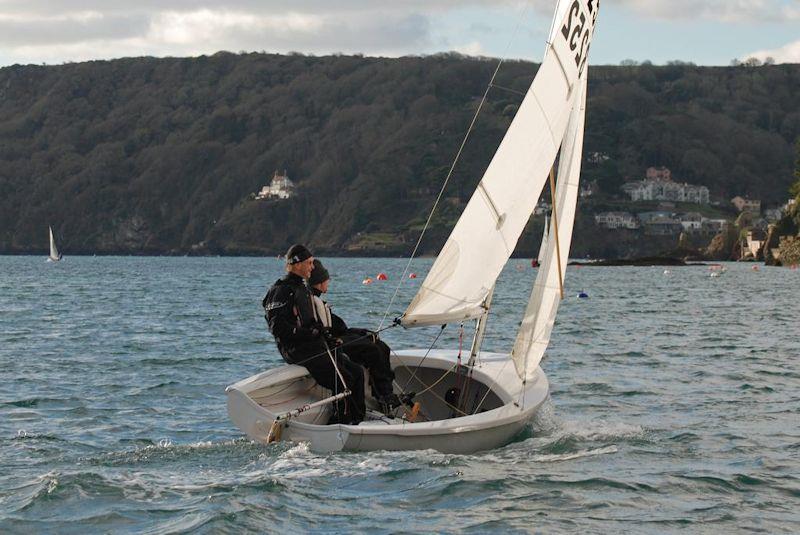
(68,28)
(730,11)
(789,53)
(56,30)
(471,49)
(205,31)
(257,6)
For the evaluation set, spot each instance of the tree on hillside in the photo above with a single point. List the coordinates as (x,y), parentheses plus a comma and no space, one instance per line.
(795,190)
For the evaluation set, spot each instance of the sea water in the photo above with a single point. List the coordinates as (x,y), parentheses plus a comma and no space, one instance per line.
(675,405)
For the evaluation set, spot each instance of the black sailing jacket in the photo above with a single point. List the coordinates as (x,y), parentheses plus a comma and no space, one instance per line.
(290,316)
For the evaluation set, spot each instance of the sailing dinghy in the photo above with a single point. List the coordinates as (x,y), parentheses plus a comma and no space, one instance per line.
(55,256)
(484,402)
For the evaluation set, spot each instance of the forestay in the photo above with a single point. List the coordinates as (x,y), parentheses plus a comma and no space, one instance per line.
(540,314)
(488,230)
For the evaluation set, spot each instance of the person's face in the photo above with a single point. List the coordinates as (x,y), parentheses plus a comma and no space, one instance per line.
(304,268)
(322,286)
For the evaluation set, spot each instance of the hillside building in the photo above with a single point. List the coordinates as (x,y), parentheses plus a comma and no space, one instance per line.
(617,220)
(773,215)
(542,208)
(691,222)
(280,187)
(658,173)
(743,204)
(714,226)
(663,226)
(646,217)
(588,189)
(752,243)
(597,157)
(659,186)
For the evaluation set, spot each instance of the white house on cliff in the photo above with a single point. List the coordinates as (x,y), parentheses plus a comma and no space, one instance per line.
(280,187)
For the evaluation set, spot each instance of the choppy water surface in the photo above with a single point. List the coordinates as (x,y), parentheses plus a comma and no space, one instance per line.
(675,404)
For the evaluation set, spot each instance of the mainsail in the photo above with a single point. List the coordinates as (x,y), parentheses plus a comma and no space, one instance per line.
(54,255)
(487,232)
(540,314)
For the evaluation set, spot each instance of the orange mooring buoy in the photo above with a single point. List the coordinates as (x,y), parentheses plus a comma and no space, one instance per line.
(382,277)
(368,280)
(412,275)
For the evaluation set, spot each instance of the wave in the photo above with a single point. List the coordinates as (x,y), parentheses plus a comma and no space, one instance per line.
(183,361)
(576,455)
(166,450)
(34,402)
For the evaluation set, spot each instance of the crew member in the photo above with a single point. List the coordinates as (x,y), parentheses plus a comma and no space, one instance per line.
(362,346)
(301,339)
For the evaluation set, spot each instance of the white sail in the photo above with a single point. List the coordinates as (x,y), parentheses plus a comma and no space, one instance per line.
(543,245)
(53,249)
(488,230)
(537,324)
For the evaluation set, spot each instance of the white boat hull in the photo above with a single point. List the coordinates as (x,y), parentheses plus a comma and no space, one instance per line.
(500,408)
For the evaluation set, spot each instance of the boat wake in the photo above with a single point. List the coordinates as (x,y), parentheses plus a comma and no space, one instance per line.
(548,458)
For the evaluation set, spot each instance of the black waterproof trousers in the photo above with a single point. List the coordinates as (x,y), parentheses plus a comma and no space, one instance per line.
(314,357)
(373,354)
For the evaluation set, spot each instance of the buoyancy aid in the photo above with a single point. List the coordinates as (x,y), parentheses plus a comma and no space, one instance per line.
(322,312)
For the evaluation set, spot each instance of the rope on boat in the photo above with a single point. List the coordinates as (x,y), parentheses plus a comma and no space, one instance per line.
(439,380)
(336,366)
(353,341)
(437,396)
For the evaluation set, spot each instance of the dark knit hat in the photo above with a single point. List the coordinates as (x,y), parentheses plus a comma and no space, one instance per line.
(319,274)
(297,253)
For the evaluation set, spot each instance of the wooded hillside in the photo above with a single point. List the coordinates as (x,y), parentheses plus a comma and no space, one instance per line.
(147,155)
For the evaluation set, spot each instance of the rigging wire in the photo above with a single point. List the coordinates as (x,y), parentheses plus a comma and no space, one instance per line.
(414,374)
(455,161)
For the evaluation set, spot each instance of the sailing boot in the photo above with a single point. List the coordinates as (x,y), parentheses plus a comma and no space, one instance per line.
(389,403)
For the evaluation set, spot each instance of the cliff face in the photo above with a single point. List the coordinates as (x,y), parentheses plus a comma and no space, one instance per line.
(782,247)
(161,155)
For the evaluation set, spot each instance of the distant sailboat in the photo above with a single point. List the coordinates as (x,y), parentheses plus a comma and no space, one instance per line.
(55,256)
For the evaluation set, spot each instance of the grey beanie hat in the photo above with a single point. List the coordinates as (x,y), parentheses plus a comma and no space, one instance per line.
(319,274)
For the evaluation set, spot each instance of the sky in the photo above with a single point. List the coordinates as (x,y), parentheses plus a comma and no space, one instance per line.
(708,32)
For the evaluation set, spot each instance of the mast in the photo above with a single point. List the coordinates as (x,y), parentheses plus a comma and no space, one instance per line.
(480,329)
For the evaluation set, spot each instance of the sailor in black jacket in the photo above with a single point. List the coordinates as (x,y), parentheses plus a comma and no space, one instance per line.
(301,339)
(362,346)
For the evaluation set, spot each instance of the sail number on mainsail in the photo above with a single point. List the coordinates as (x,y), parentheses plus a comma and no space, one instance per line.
(579,32)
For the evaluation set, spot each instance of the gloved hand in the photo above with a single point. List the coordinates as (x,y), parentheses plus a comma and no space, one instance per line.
(330,338)
(373,336)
